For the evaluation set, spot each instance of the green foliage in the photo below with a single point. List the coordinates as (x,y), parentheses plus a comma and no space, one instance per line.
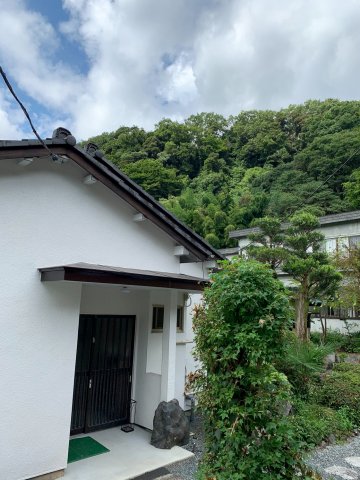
(302,363)
(154,177)
(333,337)
(255,164)
(239,333)
(341,388)
(269,242)
(345,343)
(309,266)
(352,189)
(315,423)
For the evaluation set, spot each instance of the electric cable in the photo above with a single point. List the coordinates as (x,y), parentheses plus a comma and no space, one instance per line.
(9,86)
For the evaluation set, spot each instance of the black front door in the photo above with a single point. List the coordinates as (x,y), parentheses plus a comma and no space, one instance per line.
(102,385)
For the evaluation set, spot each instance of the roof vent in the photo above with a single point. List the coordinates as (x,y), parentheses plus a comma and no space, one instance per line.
(93,150)
(64,134)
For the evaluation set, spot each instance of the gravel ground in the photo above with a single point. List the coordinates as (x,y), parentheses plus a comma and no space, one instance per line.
(187,469)
(346,457)
(335,462)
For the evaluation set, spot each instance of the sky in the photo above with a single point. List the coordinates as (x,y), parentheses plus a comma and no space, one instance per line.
(94,65)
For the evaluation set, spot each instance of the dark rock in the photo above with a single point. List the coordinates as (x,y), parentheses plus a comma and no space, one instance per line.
(329,361)
(331,438)
(284,408)
(171,426)
(287,409)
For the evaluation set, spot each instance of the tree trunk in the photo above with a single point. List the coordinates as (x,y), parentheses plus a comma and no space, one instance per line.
(322,328)
(301,316)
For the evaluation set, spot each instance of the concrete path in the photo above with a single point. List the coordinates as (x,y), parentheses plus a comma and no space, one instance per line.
(337,462)
(130,455)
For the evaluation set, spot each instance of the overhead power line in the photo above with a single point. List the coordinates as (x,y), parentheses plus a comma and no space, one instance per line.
(9,86)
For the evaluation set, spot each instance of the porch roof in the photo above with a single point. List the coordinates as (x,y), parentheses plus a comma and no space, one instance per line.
(91,273)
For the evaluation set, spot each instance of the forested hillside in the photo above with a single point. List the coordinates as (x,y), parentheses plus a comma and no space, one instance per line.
(218,174)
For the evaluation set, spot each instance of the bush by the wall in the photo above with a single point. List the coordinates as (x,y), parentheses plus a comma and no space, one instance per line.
(333,337)
(346,343)
(341,388)
(239,334)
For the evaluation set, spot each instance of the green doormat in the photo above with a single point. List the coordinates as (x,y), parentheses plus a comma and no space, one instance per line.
(80,448)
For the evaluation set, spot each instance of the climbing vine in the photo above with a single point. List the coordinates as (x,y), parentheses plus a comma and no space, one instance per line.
(243,398)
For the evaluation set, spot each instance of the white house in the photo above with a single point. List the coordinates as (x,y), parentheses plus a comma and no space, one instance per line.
(95,277)
(340,230)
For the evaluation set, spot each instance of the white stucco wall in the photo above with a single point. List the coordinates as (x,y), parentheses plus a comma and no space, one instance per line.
(39,325)
(48,211)
(49,217)
(335,324)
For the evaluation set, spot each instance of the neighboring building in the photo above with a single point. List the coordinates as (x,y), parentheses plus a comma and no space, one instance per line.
(80,240)
(341,230)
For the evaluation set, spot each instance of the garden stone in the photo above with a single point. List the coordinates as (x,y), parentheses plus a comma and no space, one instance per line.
(354,461)
(329,361)
(287,409)
(171,426)
(345,473)
(331,438)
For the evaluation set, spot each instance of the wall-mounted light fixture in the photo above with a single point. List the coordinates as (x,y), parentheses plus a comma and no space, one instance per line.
(89,180)
(59,159)
(139,217)
(24,162)
(179,251)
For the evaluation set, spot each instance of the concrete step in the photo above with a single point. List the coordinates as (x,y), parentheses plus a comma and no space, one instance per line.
(159,474)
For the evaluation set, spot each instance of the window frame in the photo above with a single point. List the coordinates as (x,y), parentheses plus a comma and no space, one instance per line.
(180,329)
(154,320)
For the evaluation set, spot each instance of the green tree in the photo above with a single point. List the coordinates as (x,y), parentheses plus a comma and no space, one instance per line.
(153,177)
(267,244)
(309,266)
(352,189)
(239,334)
(255,164)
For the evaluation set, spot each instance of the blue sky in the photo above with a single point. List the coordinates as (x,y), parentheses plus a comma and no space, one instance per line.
(69,51)
(94,65)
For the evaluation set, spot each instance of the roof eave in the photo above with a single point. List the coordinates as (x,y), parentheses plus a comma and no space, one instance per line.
(124,187)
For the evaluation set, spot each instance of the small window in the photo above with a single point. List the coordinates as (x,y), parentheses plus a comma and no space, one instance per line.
(343,244)
(158,318)
(330,245)
(354,241)
(180,319)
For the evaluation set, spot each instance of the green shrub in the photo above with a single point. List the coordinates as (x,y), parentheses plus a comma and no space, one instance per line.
(302,363)
(341,388)
(316,423)
(333,337)
(353,344)
(239,333)
(346,343)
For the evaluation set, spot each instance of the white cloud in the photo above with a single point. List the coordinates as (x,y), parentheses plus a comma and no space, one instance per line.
(30,55)
(178,82)
(11,119)
(151,59)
